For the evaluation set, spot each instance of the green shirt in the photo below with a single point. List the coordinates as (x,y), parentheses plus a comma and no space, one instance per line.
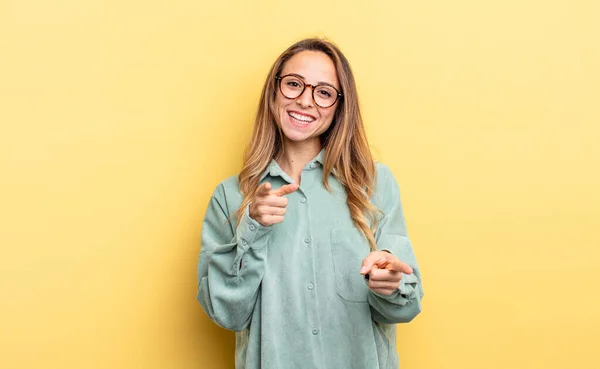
(292,291)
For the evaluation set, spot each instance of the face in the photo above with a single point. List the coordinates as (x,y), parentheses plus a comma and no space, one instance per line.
(301,119)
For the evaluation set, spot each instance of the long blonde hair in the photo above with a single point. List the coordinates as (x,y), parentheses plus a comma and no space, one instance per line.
(347,154)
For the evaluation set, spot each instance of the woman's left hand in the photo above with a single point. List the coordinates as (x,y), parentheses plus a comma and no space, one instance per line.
(385,271)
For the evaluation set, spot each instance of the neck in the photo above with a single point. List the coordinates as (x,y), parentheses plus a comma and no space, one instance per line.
(296,155)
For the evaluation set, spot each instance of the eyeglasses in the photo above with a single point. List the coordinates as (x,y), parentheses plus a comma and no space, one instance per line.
(292,87)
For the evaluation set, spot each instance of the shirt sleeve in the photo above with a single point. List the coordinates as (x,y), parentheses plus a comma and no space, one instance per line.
(405,303)
(231,264)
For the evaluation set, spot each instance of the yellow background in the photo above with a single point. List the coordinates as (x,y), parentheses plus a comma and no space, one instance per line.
(118,118)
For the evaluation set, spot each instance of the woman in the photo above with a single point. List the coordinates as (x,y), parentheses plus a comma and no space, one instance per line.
(305,253)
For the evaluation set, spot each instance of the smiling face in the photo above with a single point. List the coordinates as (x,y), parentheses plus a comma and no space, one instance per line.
(301,119)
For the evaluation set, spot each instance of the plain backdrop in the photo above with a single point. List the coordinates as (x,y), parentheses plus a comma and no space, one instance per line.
(118,119)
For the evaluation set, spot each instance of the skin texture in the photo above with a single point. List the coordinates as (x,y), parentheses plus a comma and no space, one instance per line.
(313,67)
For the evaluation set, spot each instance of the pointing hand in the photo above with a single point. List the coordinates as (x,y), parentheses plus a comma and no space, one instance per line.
(269,206)
(385,271)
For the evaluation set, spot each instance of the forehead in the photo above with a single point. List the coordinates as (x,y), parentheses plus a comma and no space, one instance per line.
(314,66)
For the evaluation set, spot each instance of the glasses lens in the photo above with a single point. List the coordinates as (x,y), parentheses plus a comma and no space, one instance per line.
(291,87)
(325,96)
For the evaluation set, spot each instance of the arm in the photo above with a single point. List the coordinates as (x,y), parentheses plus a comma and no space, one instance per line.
(404,304)
(231,264)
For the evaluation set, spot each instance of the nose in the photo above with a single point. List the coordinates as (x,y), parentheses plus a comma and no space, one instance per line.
(306,99)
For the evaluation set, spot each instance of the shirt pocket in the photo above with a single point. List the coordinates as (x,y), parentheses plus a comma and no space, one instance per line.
(348,249)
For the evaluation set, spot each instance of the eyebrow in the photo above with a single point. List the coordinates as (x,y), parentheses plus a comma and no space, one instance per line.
(318,83)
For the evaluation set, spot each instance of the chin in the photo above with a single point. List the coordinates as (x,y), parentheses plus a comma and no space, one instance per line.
(295,136)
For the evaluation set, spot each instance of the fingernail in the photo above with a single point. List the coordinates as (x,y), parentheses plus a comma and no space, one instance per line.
(363,270)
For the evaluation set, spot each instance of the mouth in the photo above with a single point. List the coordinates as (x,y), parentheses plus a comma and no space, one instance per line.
(301,119)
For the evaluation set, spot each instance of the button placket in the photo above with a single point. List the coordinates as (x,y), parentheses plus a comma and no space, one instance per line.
(308,240)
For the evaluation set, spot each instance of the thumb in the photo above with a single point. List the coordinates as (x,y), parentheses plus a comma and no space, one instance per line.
(285,190)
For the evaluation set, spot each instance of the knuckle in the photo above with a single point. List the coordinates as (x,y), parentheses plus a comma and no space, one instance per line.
(384,273)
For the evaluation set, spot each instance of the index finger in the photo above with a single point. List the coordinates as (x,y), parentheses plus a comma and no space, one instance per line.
(263,189)
(398,266)
(285,190)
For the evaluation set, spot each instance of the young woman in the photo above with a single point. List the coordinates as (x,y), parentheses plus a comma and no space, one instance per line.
(305,253)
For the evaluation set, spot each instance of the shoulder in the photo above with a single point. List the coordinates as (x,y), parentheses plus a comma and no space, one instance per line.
(230,184)
(383,171)
(386,188)
(227,193)
(385,179)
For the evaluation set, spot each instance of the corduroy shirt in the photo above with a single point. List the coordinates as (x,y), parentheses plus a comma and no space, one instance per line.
(292,291)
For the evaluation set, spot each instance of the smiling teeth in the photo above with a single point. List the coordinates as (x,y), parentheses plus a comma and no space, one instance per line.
(301,118)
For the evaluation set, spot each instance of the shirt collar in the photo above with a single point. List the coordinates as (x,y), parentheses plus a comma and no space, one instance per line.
(320,157)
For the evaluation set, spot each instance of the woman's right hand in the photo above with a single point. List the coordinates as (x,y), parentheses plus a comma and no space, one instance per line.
(269,207)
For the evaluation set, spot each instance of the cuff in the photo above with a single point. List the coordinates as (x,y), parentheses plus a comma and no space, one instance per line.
(408,285)
(249,232)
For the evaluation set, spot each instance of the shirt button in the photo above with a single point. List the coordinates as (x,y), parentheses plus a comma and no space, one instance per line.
(315,331)
(307,240)
(244,242)
(252,227)
(310,286)
(303,199)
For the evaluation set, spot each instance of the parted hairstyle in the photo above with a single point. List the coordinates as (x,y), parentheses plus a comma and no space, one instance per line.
(347,153)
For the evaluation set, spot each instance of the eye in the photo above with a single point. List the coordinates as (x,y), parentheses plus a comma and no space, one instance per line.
(292,83)
(325,93)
